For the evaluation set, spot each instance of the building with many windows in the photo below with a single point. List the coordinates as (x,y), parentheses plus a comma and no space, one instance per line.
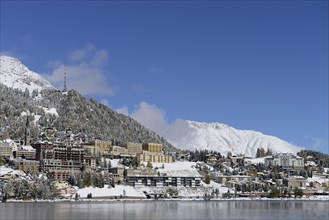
(285,161)
(152,147)
(150,177)
(28,166)
(5,150)
(153,157)
(60,170)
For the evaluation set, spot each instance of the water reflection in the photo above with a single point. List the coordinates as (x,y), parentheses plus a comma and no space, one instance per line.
(167,210)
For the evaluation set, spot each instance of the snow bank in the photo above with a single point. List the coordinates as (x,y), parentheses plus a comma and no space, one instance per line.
(117,191)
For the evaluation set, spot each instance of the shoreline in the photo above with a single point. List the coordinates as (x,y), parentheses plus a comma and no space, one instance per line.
(321,198)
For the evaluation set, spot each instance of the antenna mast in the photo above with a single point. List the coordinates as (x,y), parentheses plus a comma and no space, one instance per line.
(65,87)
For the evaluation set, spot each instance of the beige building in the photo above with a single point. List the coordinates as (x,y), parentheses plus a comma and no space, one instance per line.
(152,147)
(133,148)
(91,150)
(5,150)
(26,152)
(117,150)
(104,146)
(28,166)
(296,181)
(153,157)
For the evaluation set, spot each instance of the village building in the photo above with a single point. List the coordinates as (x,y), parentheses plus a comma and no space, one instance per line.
(25,152)
(60,170)
(285,161)
(28,166)
(5,150)
(150,177)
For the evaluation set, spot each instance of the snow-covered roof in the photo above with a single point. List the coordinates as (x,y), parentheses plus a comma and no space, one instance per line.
(317,179)
(177,169)
(256,160)
(27,148)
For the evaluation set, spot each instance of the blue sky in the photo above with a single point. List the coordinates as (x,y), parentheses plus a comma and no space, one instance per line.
(256,65)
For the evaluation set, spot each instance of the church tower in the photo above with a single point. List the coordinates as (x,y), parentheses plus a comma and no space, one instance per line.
(27,137)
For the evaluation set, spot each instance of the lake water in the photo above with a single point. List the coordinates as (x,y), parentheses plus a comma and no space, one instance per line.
(167,210)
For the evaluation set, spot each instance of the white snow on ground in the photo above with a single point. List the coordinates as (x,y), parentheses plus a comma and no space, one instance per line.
(317,179)
(9,171)
(118,190)
(214,185)
(52,111)
(187,192)
(36,118)
(114,163)
(256,160)
(175,166)
(177,169)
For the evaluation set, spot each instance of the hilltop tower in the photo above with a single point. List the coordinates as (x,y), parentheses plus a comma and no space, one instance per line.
(65,87)
(27,136)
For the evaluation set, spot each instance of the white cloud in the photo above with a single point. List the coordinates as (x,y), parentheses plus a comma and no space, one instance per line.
(316,142)
(86,74)
(77,55)
(151,117)
(123,110)
(105,102)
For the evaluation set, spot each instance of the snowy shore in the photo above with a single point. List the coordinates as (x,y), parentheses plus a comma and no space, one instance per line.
(304,199)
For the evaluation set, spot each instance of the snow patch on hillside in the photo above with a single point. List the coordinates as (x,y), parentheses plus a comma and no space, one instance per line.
(51,111)
(16,75)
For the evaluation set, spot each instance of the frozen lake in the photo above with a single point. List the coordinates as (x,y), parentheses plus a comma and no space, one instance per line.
(167,210)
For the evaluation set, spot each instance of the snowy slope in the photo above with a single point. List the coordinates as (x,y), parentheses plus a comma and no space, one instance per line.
(16,75)
(223,138)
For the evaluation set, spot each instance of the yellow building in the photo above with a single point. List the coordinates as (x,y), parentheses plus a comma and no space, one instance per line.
(104,146)
(154,157)
(117,150)
(91,150)
(152,147)
(28,166)
(133,148)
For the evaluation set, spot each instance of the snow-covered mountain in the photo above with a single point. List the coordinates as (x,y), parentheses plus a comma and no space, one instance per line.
(16,75)
(193,135)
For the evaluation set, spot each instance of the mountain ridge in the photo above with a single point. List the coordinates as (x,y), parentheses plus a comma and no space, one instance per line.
(224,138)
(15,74)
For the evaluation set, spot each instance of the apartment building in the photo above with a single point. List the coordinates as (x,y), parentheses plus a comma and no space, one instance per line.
(285,161)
